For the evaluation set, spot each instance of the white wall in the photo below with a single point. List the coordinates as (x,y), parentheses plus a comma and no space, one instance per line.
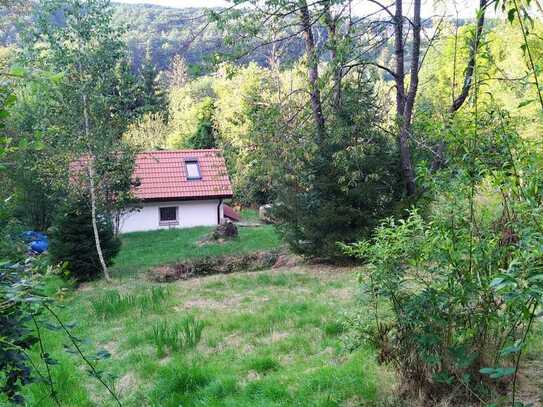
(189,214)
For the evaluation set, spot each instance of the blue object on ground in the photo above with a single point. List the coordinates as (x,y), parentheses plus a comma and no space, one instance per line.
(39,246)
(37,241)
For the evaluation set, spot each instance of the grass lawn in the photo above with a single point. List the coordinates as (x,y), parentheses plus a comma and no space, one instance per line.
(142,250)
(270,338)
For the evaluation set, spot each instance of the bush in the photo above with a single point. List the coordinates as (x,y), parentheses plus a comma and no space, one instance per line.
(337,189)
(72,241)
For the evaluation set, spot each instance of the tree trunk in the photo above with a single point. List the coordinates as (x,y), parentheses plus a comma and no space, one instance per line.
(405,103)
(331,24)
(470,70)
(313,72)
(398,55)
(93,195)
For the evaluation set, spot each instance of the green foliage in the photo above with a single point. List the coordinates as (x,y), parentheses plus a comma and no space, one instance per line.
(153,97)
(72,240)
(82,111)
(113,304)
(228,111)
(335,190)
(455,291)
(204,136)
(177,336)
(148,133)
(263,364)
(17,336)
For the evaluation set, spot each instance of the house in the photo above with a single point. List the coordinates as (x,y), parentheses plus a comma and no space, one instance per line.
(178,189)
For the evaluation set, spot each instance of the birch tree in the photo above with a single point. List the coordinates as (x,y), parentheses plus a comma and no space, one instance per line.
(76,38)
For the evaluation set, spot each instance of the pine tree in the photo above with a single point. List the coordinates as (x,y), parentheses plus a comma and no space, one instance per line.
(154,99)
(72,240)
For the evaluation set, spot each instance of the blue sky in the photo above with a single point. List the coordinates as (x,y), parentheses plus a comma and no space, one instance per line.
(466,7)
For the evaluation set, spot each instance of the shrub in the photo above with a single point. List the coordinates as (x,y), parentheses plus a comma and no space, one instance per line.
(445,313)
(72,240)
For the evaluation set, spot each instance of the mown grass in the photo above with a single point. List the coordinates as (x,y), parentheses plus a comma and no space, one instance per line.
(143,250)
(272,338)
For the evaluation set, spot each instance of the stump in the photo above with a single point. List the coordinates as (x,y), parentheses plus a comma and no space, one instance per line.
(226,230)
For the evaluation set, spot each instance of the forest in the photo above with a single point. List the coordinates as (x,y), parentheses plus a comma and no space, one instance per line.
(396,156)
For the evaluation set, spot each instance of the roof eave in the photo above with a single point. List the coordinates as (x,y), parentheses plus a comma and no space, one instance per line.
(186,198)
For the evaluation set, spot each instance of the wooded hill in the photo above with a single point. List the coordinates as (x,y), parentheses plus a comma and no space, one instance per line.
(167,32)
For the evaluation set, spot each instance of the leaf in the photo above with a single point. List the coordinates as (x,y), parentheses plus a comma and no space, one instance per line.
(487,370)
(17,71)
(498,372)
(103,354)
(509,350)
(496,282)
(50,361)
(51,327)
(511,15)
(525,103)
(503,372)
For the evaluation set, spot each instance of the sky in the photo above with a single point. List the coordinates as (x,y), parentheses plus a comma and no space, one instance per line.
(466,8)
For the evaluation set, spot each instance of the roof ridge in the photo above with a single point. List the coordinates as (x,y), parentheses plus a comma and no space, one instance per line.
(180,151)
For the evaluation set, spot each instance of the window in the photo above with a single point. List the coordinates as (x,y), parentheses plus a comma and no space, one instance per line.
(168,215)
(193,169)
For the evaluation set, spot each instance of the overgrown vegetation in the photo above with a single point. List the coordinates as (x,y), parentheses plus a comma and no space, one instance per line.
(176,337)
(113,304)
(349,118)
(263,342)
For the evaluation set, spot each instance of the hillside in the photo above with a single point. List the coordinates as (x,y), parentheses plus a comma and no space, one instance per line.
(170,31)
(167,32)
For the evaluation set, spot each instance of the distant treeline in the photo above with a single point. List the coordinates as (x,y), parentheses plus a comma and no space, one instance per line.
(166,32)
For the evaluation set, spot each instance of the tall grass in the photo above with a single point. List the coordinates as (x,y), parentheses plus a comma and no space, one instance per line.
(175,337)
(112,303)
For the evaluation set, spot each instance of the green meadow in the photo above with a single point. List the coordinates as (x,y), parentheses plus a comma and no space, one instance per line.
(270,338)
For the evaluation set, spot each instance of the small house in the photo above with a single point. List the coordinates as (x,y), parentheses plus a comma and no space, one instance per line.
(178,189)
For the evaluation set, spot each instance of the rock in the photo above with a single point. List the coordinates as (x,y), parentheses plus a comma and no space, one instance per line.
(226,230)
(265,213)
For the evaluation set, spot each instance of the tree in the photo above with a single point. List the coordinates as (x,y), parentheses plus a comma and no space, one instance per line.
(205,134)
(336,189)
(82,43)
(314,144)
(148,132)
(153,96)
(177,75)
(72,240)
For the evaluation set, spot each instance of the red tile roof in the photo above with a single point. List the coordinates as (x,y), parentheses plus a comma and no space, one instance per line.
(163,175)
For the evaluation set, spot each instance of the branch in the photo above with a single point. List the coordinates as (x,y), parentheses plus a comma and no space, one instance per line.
(468,77)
